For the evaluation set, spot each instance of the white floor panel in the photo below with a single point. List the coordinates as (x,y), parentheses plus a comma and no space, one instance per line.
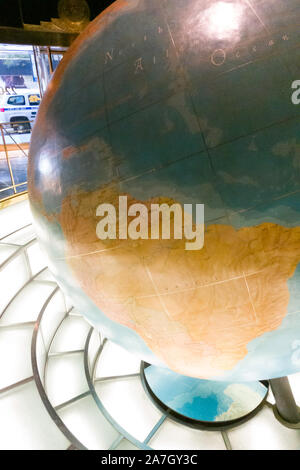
(295,385)
(126,445)
(25,423)
(21,237)
(45,276)
(13,217)
(37,259)
(115,361)
(128,404)
(15,354)
(93,349)
(264,432)
(85,421)
(6,251)
(270,397)
(65,378)
(13,276)
(27,304)
(172,436)
(71,335)
(54,314)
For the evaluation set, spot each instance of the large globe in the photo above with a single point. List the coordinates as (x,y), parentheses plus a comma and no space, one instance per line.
(180,102)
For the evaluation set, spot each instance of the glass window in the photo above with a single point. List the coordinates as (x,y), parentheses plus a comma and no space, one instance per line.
(34,99)
(56,58)
(17,100)
(25,72)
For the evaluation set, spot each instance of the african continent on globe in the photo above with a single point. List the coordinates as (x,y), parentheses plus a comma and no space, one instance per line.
(189,102)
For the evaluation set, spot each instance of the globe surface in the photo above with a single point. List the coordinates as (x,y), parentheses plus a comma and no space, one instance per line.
(189,102)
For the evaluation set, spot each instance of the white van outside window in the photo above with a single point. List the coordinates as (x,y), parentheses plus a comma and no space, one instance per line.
(19,109)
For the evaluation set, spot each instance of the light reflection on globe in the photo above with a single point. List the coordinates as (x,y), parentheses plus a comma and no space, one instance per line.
(185,101)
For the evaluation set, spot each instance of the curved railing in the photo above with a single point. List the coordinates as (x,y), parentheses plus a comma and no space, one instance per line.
(14,146)
(39,371)
(91,359)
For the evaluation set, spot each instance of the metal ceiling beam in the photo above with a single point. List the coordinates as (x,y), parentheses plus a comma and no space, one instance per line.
(35,38)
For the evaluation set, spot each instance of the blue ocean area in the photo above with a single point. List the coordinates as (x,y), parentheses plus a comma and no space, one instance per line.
(203,400)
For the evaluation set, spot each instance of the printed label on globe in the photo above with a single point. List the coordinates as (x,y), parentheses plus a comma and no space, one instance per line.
(151,221)
(296,94)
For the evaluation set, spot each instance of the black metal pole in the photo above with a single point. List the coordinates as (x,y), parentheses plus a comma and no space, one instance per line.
(285,401)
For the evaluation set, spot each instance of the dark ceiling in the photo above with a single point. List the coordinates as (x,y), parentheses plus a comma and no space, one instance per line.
(14,13)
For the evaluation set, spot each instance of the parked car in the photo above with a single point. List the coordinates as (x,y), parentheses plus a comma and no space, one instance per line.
(19,109)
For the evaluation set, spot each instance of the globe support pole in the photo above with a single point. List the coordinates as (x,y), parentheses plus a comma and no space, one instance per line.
(286,406)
